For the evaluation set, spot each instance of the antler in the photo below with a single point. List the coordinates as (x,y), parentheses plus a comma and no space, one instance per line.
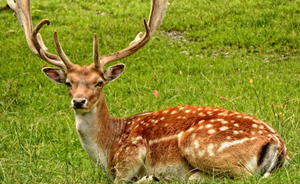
(157,14)
(37,46)
(34,39)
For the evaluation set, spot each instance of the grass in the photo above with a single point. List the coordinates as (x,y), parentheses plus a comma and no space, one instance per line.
(234,54)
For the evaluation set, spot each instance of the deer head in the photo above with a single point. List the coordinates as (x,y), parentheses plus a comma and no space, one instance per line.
(84,83)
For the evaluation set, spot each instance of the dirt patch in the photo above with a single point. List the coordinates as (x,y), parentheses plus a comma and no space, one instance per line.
(174,35)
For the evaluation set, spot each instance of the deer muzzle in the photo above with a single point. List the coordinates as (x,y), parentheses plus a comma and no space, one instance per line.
(79,102)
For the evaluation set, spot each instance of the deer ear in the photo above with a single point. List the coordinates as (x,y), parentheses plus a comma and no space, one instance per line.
(113,72)
(55,74)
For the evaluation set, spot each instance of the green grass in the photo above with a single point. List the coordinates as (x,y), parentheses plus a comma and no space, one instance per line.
(238,55)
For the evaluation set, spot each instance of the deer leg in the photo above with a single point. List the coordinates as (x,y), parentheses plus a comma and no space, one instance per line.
(148,179)
(130,161)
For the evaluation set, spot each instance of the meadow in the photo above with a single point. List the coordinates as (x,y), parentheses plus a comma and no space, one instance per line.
(238,55)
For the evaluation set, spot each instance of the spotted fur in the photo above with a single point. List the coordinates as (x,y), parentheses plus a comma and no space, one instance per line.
(163,143)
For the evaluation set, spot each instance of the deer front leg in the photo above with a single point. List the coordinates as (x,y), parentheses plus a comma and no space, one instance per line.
(129,160)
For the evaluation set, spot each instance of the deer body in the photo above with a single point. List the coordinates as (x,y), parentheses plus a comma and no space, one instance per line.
(185,142)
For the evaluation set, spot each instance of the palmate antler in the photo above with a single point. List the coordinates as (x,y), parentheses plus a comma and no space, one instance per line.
(37,46)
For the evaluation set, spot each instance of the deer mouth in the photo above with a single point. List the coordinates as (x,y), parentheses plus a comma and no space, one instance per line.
(81,110)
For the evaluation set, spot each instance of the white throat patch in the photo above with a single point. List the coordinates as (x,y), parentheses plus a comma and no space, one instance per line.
(85,126)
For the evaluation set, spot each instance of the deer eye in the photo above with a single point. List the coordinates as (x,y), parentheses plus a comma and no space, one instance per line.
(68,84)
(99,84)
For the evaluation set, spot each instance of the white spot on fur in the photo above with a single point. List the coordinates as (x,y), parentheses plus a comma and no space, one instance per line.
(162,118)
(254,125)
(238,116)
(210,148)
(261,127)
(181,108)
(223,128)
(212,120)
(191,129)
(200,122)
(235,132)
(220,114)
(211,131)
(188,150)
(252,132)
(209,113)
(178,117)
(193,136)
(196,144)
(165,111)
(201,153)
(187,111)
(208,126)
(200,109)
(224,122)
(228,137)
(236,125)
(174,112)
(201,114)
(260,132)
(200,127)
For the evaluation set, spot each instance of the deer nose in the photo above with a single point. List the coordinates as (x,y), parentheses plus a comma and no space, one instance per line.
(78,102)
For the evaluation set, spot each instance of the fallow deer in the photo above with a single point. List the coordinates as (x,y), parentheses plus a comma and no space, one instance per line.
(184,142)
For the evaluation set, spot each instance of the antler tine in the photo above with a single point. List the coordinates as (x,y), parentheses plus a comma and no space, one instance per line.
(39,46)
(61,53)
(157,14)
(96,52)
(33,38)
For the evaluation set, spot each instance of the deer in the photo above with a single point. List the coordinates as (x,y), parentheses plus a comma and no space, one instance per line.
(183,142)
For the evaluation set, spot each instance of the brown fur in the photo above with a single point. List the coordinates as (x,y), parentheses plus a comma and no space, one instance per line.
(175,142)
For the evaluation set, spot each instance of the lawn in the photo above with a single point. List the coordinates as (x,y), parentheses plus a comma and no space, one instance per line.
(238,55)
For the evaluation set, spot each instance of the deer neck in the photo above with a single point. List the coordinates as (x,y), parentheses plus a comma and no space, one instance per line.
(97,131)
